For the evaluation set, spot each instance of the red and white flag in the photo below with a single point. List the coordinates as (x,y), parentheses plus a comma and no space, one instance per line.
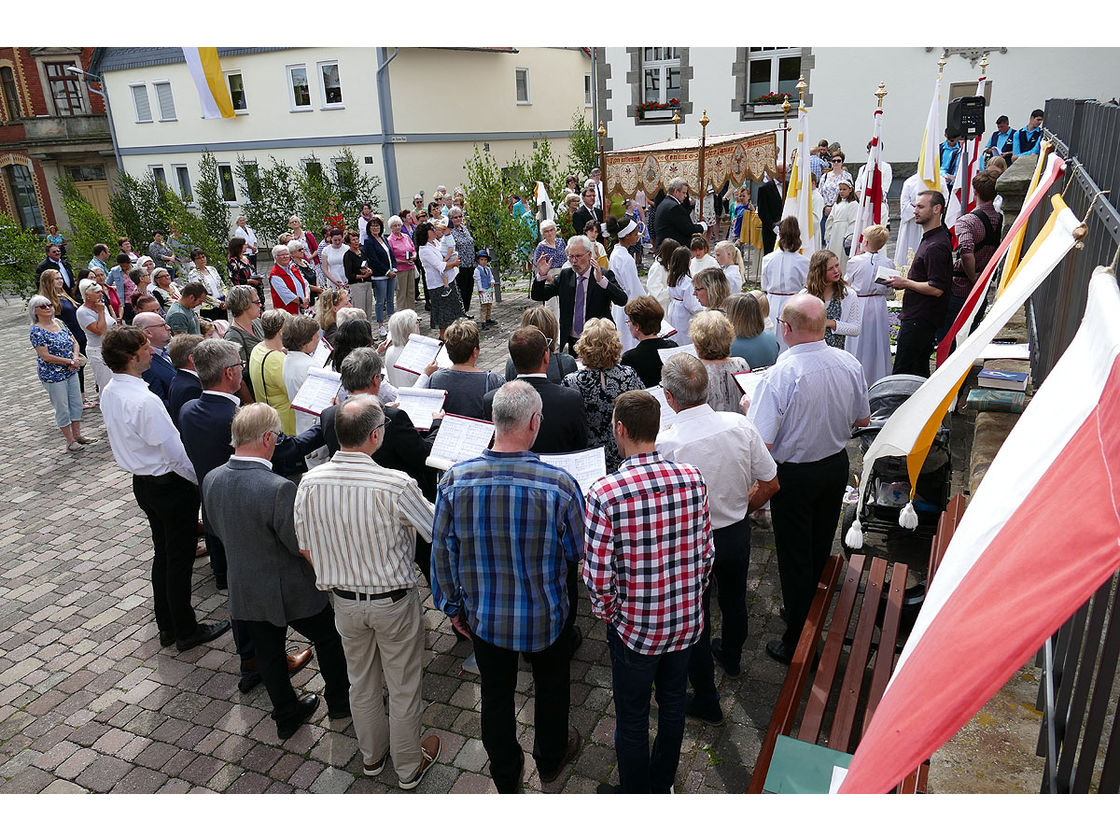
(871,202)
(1039,537)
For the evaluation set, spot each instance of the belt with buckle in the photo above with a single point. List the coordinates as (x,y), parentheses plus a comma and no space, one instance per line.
(394,595)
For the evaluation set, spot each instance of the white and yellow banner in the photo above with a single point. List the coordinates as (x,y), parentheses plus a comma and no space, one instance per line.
(206,70)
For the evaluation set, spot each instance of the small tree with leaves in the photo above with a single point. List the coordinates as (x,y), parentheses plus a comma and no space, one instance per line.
(341,187)
(353,185)
(487,187)
(274,196)
(135,205)
(212,208)
(583,146)
(87,226)
(20,252)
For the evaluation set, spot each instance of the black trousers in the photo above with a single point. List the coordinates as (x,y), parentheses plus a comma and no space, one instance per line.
(272,663)
(914,347)
(729,571)
(805,512)
(171,504)
(768,238)
(465,281)
(551,697)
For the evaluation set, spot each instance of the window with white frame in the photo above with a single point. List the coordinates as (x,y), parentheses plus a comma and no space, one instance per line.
(159,174)
(183,179)
(65,88)
(140,104)
(165,101)
(236,83)
(521,84)
(661,74)
(251,180)
(299,89)
(773,70)
(225,179)
(587,89)
(330,84)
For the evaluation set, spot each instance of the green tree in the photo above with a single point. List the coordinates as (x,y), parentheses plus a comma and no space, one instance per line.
(583,148)
(20,252)
(193,230)
(354,186)
(274,197)
(487,186)
(87,226)
(341,187)
(212,208)
(135,205)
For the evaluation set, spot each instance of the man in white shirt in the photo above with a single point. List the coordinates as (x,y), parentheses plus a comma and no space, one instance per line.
(146,444)
(245,232)
(804,409)
(357,524)
(740,475)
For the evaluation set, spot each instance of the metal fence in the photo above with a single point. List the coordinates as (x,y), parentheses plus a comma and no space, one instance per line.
(1080,733)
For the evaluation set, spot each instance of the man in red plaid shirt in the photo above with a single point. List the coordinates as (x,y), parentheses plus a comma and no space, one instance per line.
(648,557)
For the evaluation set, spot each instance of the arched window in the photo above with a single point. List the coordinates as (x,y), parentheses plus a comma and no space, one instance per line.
(10,93)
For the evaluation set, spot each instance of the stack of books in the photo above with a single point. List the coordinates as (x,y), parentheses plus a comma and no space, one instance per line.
(999,390)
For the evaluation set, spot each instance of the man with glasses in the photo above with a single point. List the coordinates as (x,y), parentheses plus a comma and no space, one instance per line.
(161,372)
(673,216)
(54,260)
(804,410)
(587,211)
(585,290)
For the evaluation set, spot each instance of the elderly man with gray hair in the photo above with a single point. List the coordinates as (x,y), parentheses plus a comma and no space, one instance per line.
(508,528)
(250,509)
(740,476)
(357,524)
(673,217)
(585,290)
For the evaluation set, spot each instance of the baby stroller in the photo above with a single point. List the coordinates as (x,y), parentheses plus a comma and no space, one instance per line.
(887,489)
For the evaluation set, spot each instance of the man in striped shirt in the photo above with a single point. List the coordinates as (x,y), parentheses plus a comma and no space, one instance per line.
(649,554)
(357,524)
(507,529)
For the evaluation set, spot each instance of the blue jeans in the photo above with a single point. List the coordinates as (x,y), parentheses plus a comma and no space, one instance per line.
(383,290)
(66,399)
(632,676)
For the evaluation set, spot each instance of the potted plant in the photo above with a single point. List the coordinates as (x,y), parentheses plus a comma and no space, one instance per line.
(657,110)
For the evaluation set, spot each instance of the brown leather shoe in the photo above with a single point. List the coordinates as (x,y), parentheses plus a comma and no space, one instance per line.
(575,741)
(429,752)
(296,661)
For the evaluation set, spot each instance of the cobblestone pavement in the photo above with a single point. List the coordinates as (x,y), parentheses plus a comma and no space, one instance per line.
(90,702)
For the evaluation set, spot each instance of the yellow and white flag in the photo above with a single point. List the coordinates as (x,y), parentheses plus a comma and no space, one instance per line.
(929,160)
(206,70)
(799,196)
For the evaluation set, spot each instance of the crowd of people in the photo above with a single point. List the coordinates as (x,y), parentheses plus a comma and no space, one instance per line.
(325,523)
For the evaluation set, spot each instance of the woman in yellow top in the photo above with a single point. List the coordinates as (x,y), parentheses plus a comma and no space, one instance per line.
(266,369)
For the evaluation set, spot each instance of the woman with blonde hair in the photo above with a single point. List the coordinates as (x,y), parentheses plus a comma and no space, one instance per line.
(58,364)
(711,334)
(710,288)
(842,306)
(52,287)
(730,259)
(559,364)
(326,309)
(753,343)
(266,369)
(600,382)
(95,320)
(872,346)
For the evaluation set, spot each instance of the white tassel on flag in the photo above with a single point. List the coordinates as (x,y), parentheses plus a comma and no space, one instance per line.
(908,518)
(854,537)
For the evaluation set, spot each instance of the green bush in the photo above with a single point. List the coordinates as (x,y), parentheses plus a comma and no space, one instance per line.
(274,197)
(493,226)
(20,252)
(87,226)
(212,208)
(583,149)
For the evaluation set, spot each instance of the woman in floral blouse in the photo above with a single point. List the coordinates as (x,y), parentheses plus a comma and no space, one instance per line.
(58,363)
(464,247)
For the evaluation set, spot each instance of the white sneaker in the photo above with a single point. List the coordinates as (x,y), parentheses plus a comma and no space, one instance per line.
(381,331)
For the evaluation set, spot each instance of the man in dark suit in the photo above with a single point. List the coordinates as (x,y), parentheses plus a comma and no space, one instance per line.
(563,429)
(272,587)
(205,424)
(585,290)
(161,372)
(563,419)
(186,385)
(403,448)
(673,217)
(54,260)
(587,211)
(770,206)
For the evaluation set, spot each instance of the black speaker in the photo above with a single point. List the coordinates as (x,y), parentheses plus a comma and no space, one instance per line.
(966,117)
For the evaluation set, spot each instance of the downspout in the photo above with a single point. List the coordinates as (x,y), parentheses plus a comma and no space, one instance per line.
(388,151)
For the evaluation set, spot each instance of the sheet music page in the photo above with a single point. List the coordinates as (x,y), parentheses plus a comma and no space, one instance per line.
(321,354)
(419,403)
(322,386)
(748,381)
(418,353)
(672,351)
(586,466)
(459,439)
(667,414)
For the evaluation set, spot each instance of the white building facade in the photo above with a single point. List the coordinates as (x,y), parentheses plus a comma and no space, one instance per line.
(411,116)
(728,81)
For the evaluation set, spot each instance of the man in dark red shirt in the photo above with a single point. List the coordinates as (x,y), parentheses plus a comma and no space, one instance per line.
(926,288)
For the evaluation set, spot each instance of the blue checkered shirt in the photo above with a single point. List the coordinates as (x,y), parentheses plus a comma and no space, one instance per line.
(507,528)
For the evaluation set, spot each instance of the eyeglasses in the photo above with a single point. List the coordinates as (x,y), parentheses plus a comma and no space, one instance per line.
(44,306)
(838,160)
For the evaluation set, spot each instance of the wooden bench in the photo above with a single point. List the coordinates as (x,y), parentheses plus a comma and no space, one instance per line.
(855,663)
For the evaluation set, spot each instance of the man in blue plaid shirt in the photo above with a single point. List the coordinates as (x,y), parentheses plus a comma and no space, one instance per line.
(508,527)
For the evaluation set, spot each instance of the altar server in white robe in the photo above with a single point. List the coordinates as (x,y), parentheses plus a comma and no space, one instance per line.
(842,221)
(909,231)
(621,262)
(872,346)
(784,270)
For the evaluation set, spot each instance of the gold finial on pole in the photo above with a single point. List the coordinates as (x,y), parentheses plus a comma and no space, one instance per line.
(703,143)
(704,119)
(801,88)
(881,94)
(676,123)
(602,132)
(942,61)
(785,108)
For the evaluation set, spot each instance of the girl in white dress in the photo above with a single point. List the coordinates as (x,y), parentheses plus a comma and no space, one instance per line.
(873,345)
(657,279)
(682,300)
(784,270)
(701,259)
(842,221)
(730,259)
(625,271)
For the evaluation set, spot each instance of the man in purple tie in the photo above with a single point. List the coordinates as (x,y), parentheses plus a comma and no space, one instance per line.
(585,290)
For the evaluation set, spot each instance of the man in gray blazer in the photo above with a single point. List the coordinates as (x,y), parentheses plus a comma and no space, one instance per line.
(271,586)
